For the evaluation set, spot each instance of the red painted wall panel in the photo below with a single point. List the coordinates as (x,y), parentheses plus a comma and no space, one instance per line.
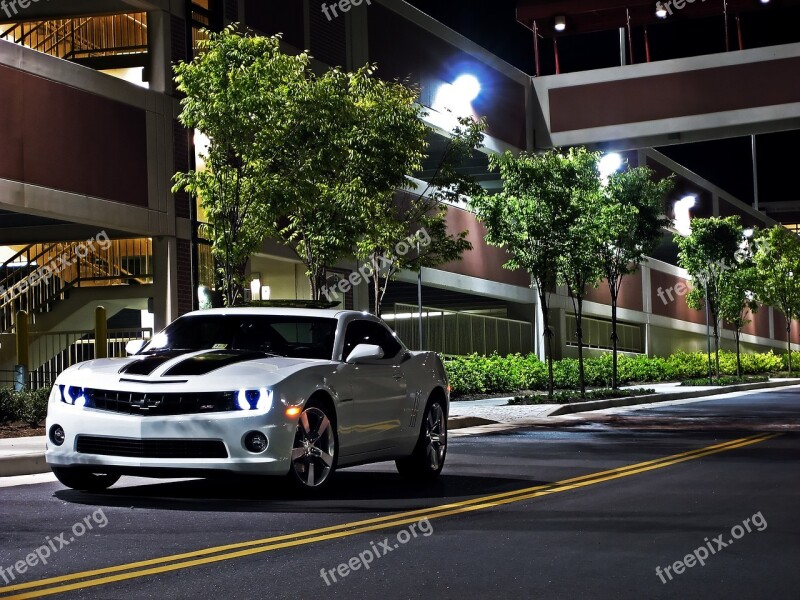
(630,294)
(670,303)
(60,137)
(484,261)
(672,95)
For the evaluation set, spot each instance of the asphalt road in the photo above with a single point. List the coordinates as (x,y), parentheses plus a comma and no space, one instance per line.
(585,511)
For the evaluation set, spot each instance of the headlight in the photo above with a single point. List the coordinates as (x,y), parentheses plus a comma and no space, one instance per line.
(260,399)
(70,394)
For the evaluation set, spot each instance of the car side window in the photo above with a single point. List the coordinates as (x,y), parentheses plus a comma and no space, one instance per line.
(368,332)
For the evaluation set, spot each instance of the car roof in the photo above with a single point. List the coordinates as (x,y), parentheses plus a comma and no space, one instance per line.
(328,313)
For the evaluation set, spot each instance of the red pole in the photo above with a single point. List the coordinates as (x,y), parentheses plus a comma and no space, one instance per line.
(646,45)
(739,32)
(630,38)
(555,49)
(536,47)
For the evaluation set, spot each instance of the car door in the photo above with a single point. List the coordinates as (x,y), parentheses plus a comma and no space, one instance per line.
(370,417)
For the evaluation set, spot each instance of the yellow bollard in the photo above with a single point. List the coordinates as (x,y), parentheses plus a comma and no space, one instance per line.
(100,333)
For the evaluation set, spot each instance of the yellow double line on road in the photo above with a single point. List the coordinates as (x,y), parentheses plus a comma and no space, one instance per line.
(175,562)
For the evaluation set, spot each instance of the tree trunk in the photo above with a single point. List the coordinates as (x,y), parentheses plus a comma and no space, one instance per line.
(716,348)
(614,293)
(789,343)
(579,335)
(377,288)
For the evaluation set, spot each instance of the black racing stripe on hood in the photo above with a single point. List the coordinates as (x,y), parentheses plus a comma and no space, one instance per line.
(148,364)
(200,364)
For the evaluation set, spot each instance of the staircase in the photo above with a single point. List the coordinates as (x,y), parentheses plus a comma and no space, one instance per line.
(38,276)
(116,274)
(82,38)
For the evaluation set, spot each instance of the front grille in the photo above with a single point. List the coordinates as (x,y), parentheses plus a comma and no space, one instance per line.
(159,404)
(111,446)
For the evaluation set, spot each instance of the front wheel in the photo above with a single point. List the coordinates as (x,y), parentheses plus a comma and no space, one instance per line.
(427,460)
(79,479)
(315,449)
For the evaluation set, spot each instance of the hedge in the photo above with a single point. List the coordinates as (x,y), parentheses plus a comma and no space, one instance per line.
(476,374)
(29,406)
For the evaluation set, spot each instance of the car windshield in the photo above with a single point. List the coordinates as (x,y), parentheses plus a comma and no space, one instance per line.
(292,336)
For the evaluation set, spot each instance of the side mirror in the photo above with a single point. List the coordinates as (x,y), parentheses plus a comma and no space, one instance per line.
(133,346)
(365,352)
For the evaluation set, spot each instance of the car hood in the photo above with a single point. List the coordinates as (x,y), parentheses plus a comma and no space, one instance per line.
(218,369)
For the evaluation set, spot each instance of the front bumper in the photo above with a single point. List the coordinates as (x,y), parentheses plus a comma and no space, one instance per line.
(226,427)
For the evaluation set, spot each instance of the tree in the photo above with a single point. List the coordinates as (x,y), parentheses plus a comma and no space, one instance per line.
(241,93)
(529,218)
(777,258)
(737,300)
(580,267)
(630,220)
(390,218)
(707,253)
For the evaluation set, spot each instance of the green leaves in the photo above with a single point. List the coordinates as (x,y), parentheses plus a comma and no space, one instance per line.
(303,157)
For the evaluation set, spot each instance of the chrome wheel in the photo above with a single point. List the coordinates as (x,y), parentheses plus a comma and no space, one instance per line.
(425,463)
(314,448)
(436,437)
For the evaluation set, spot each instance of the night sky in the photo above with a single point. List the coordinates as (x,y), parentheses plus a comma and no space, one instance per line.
(727,163)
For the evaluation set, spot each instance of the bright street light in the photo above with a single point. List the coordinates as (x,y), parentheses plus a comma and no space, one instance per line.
(682,215)
(468,87)
(609,164)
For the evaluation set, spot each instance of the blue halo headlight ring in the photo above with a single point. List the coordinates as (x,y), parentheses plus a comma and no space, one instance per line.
(73,395)
(260,399)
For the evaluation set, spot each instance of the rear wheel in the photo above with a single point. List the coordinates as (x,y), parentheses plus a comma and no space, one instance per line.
(315,448)
(88,481)
(427,460)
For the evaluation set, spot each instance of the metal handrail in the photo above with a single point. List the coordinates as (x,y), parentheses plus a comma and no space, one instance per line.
(102,268)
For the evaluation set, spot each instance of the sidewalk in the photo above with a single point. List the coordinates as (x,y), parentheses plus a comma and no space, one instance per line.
(25,456)
(471,413)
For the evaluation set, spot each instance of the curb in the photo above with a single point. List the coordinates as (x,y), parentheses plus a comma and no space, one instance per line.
(23,464)
(463,422)
(578,407)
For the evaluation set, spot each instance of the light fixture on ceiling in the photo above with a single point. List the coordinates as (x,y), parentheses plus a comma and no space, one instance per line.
(561,23)
(661,12)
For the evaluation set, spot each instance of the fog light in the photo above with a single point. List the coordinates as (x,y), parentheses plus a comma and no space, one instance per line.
(57,435)
(256,442)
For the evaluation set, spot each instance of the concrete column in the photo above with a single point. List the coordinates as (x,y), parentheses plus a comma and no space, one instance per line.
(159,39)
(165,281)
(647,307)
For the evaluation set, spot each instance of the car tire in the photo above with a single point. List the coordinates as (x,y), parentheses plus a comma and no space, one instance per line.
(315,449)
(425,463)
(86,481)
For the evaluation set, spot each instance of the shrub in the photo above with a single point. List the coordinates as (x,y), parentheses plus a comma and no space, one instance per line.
(28,406)
(568,396)
(9,406)
(33,406)
(477,374)
(727,380)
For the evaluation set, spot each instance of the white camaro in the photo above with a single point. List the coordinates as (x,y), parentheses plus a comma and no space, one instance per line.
(296,392)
